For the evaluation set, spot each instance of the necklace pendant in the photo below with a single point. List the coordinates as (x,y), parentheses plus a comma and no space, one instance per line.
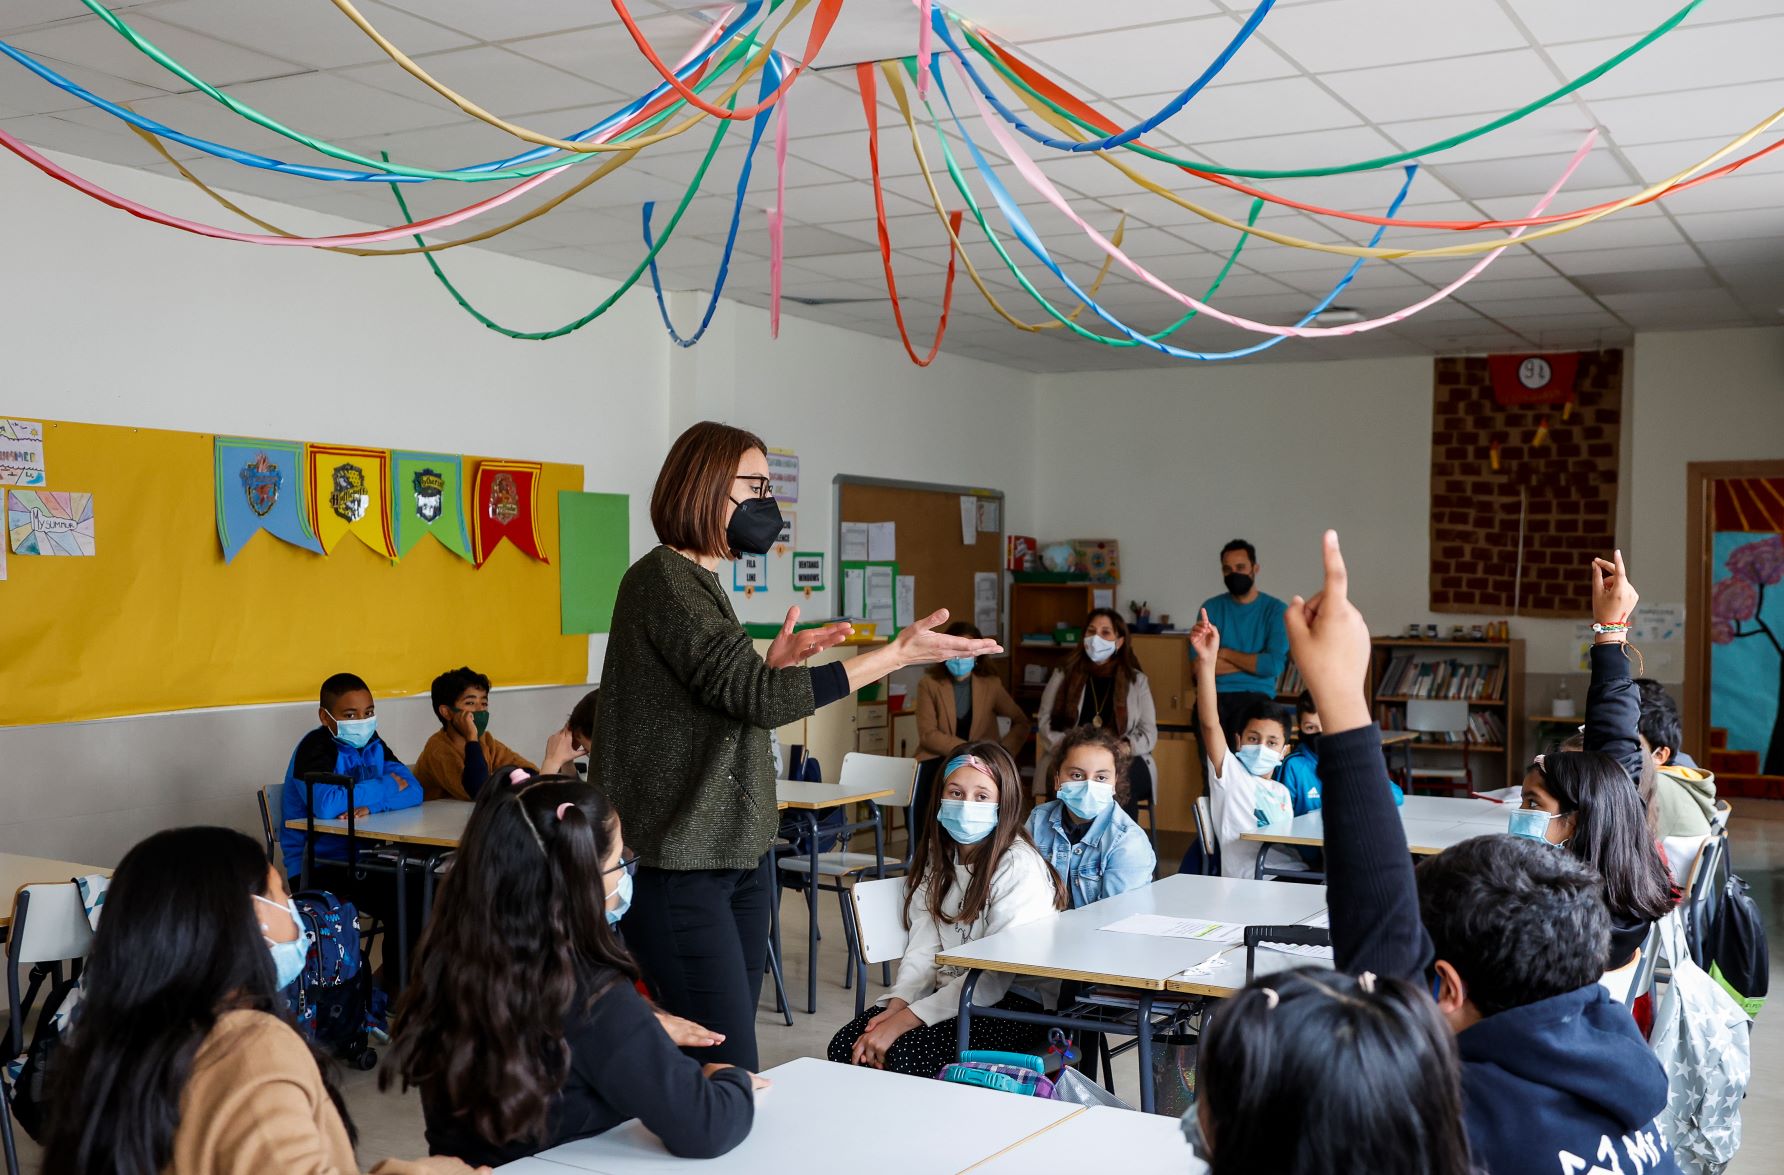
(1097,722)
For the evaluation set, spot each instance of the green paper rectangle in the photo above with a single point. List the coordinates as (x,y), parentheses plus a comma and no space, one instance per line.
(594,550)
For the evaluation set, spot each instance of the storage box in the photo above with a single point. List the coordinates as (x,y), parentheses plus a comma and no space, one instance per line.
(873,742)
(872,716)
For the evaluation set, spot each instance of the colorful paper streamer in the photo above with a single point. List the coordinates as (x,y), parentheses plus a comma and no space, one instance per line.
(777,222)
(260,485)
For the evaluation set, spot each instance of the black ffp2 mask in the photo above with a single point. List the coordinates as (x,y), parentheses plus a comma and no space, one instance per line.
(1238,584)
(754,526)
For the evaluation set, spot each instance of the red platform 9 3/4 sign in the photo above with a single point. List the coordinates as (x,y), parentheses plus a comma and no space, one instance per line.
(1534,379)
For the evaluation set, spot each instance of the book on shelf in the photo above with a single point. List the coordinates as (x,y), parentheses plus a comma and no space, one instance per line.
(1290,685)
(1407,676)
(1486,729)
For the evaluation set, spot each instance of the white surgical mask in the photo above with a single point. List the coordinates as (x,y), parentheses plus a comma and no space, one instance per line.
(1260,760)
(1098,649)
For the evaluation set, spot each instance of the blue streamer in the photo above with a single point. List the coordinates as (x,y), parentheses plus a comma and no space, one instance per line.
(1025,233)
(771,77)
(337,174)
(1171,108)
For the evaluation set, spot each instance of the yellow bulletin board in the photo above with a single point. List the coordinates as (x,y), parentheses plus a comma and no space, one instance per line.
(156,620)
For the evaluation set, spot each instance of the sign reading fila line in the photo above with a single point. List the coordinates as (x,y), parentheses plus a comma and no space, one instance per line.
(506,500)
(427,497)
(350,494)
(260,486)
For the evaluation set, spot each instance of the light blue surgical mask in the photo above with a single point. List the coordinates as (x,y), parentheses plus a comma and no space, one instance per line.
(1087,798)
(288,957)
(356,732)
(968,821)
(1532,823)
(960,666)
(1260,760)
(622,887)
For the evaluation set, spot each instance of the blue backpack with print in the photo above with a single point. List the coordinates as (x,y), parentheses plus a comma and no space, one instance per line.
(331,1000)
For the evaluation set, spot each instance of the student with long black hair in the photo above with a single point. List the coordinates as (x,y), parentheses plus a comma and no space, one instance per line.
(182,1058)
(522,1025)
(1363,1067)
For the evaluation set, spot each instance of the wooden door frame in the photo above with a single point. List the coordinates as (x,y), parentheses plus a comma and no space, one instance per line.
(1699,534)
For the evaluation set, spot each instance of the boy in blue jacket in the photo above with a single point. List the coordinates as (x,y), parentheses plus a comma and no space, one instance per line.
(1300,771)
(1510,934)
(346,743)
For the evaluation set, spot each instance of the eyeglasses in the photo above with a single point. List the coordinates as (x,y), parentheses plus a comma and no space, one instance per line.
(628,861)
(760,486)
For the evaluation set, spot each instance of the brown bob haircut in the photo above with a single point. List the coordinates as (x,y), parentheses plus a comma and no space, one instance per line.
(687,507)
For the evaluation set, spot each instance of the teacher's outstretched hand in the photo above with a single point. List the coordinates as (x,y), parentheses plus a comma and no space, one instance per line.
(917,643)
(794,648)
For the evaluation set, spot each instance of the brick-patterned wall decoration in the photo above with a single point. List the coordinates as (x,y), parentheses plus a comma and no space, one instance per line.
(1566,487)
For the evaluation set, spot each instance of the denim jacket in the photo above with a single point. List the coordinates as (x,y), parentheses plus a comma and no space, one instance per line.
(1113,857)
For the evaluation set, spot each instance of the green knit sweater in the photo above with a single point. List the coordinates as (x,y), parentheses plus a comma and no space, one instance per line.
(681,735)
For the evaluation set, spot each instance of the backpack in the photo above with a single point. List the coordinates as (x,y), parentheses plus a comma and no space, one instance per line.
(1702,1041)
(29,1073)
(331,999)
(1735,944)
(795,829)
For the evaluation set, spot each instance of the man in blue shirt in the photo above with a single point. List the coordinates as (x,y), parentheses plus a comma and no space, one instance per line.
(1253,641)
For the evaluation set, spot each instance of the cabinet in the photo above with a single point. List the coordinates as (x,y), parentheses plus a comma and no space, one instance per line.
(1180,780)
(1164,658)
(1042,608)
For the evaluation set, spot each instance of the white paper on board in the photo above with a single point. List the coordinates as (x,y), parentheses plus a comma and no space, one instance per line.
(854,582)
(1102,597)
(881,601)
(882,541)
(985,585)
(21,453)
(854,542)
(906,610)
(969,519)
(988,515)
(783,474)
(808,571)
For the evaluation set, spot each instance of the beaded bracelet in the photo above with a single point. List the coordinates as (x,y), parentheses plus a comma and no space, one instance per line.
(1603,628)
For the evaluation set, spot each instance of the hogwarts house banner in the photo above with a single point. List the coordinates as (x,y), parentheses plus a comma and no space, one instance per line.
(506,501)
(350,494)
(427,496)
(260,486)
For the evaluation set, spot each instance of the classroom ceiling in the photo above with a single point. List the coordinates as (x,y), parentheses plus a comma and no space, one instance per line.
(1323,82)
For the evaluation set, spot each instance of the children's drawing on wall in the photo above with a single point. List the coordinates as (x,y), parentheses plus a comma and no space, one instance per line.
(21,453)
(1747,658)
(39,522)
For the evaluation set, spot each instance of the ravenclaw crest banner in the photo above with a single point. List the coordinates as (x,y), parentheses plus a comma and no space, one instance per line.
(506,502)
(350,494)
(427,496)
(260,486)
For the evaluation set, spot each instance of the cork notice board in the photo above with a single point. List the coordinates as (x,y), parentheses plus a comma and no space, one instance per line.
(929,539)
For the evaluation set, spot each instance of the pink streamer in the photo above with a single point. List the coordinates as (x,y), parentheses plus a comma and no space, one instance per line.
(777,217)
(924,52)
(1038,180)
(446,220)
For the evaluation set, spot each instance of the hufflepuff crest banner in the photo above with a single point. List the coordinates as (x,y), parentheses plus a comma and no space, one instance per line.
(260,486)
(350,494)
(506,501)
(427,496)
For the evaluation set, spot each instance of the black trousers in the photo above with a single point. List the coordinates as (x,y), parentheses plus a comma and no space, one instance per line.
(701,937)
(1233,706)
(922,1052)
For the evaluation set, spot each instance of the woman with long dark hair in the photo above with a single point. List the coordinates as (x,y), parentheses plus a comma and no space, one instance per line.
(522,1026)
(681,733)
(182,1057)
(1101,686)
(1314,1072)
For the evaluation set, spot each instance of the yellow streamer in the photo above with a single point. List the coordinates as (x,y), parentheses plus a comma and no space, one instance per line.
(604,170)
(1066,127)
(896,82)
(756,62)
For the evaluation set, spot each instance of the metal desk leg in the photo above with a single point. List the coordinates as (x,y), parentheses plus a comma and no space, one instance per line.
(879,855)
(402,923)
(963,1023)
(428,866)
(811,909)
(782,1004)
(1406,760)
(1148,1095)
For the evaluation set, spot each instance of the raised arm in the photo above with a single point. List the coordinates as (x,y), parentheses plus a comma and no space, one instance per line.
(1204,640)
(1371,893)
(1613,701)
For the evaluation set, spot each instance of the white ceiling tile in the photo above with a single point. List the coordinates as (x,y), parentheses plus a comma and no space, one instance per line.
(1268,152)
(1615,231)
(608,56)
(1027,20)
(25,14)
(1488,83)
(1277,106)
(1534,174)
(1751,224)
(497,22)
(1486,292)
(311,34)
(93,44)
(1737,192)
(1632,260)
(336,107)
(1561,127)
(504,83)
(1113,65)
(1659,162)
(26,93)
(1719,112)
(1361,34)
(1688,57)
(1555,23)
(1659,311)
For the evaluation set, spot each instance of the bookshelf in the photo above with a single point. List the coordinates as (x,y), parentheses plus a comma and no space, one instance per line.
(1488,675)
(1289,685)
(1042,608)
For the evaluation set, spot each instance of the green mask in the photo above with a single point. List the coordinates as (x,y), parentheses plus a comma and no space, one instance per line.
(481,718)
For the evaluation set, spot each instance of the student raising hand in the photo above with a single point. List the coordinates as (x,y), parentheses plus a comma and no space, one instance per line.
(1329,641)
(1613,600)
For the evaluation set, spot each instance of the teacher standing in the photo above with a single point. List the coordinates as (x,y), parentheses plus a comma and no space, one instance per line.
(681,734)
(1253,637)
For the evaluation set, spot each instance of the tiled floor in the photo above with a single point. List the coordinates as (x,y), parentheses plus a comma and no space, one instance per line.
(390,1123)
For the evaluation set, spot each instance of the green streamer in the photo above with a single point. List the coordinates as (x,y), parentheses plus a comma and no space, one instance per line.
(1456,140)
(687,198)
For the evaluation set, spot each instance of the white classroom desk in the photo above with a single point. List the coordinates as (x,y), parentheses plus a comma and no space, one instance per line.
(1432,824)
(1102,1139)
(17,871)
(440,823)
(817,1114)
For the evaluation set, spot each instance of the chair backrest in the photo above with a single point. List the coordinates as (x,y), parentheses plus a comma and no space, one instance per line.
(1204,814)
(272,814)
(864,770)
(1432,716)
(49,925)
(879,918)
(1700,891)
(1295,935)
(1681,856)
